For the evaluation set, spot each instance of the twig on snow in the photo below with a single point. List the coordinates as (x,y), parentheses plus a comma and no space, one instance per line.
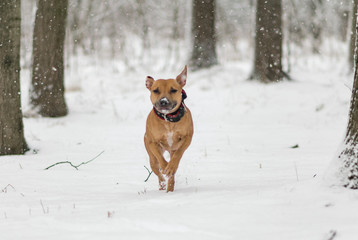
(43,208)
(296,172)
(332,234)
(149,172)
(72,165)
(4,190)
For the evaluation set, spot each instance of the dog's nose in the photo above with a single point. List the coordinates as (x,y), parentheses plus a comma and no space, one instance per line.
(163,102)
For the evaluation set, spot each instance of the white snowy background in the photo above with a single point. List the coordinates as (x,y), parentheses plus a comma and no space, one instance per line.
(256,169)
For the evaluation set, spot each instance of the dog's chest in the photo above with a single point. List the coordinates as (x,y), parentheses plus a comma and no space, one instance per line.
(169,140)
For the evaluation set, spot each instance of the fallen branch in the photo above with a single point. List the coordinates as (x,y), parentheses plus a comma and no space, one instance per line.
(150,173)
(72,165)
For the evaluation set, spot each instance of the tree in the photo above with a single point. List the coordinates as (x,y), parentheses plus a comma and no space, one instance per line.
(268,42)
(74,27)
(47,93)
(349,154)
(12,139)
(203,54)
(353,35)
(315,25)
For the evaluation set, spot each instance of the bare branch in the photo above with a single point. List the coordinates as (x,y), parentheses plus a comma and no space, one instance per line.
(72,165)
(150,173)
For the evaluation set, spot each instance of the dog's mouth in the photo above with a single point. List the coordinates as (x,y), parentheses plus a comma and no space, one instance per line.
(165,106)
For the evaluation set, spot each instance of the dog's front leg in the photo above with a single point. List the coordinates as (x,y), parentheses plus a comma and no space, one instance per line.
(157,151)
(173,164)
(172,167)
(171,183)
(175,157)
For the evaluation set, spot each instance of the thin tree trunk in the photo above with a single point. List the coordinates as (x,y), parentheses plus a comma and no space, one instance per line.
(47,93)
(204,36)
(268,42)
(173,45)
(141,9)
(12,139)
(344,24)
(353,35)
(77,37)
(316,25)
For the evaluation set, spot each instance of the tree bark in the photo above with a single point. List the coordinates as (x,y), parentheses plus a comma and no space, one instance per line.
(268,42)
(204,37)
(353,35)
(12,139)
(349,154)
(47,93)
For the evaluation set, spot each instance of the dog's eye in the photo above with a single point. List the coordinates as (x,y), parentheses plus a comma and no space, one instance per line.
(156,91)
(173,90)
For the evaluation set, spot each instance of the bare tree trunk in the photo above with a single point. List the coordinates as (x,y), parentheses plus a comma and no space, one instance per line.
(74,27)
(203,31)
(173,45)
(114,33)
(47,93)
(316,25)
(349,154)
(344,24)
(268,42)
(141,8)
(353,35)
(12,139)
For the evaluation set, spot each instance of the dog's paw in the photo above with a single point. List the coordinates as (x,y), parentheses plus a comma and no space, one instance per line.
(162,185)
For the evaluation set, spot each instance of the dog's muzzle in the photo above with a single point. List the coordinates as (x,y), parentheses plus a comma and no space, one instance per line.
(164,102)
(165,106)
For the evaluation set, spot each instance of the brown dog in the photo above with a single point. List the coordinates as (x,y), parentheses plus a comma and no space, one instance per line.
(169,127)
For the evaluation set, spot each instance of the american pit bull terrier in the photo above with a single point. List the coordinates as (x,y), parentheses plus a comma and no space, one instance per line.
(169,127)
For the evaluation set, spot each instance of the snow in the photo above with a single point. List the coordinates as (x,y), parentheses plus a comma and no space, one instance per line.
(241,178)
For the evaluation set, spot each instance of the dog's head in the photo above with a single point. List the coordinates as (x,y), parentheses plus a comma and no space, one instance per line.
(166,93)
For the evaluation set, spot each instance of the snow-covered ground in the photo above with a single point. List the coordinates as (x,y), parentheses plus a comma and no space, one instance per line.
(255,168)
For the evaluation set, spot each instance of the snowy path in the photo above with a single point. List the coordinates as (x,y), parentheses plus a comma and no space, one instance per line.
(240,178)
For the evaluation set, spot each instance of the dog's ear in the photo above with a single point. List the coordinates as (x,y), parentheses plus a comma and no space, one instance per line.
(181,78)
(149,82)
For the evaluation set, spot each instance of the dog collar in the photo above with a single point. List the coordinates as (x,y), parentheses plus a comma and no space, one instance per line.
(175,116)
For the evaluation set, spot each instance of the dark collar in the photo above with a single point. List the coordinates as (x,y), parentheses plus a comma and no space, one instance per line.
(175,116)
